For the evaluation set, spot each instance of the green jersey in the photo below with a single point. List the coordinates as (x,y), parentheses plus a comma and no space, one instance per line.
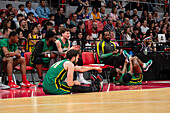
(54,80)
(135,80)
(64,46)
(5,43)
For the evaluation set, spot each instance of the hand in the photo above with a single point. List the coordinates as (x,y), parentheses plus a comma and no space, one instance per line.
(99,69)
(10,54)
(76,82)
(126,61)
(115,51)
(52,55)
(121,51)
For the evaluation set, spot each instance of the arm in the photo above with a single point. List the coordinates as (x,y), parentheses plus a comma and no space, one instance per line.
(38,49)
(58,44)
(124,67)
(70,70)
(10,54)
(47,11)
(38,11)
(84,68)
(131,66)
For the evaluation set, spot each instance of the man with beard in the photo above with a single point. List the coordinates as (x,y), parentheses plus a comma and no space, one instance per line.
(63,45)
(143,48)
(93,32)
(107,52)
(54,81)
(40,56)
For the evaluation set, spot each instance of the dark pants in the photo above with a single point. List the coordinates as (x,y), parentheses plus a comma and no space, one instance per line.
(39,60)
(115,61)
(83,89)
(1,65)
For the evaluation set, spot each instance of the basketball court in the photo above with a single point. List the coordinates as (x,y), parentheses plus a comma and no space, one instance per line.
(150,97)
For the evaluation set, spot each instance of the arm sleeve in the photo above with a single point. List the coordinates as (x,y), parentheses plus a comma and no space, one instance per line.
(38,49)
(38,11)
(100,52)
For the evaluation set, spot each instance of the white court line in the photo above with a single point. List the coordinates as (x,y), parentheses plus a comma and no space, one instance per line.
(87,103)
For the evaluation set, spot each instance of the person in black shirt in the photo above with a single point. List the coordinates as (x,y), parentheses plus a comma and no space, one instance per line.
(23,28)
(59,17)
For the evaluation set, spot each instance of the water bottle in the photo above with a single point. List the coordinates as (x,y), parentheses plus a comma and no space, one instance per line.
(145,51)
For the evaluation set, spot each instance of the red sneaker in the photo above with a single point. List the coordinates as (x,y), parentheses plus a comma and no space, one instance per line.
(11,84)
(27,84)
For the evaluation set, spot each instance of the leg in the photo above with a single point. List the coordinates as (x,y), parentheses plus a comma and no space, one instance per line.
(22,63)
(136,65)
(39,67)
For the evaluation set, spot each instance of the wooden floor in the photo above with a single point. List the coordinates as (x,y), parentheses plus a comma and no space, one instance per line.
(131,101)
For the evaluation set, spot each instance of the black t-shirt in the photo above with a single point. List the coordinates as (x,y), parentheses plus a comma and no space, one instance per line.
(59,19)
(25,33)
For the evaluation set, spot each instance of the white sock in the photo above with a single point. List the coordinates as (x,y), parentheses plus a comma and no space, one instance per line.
(144,65)
(0,79)
(81,76)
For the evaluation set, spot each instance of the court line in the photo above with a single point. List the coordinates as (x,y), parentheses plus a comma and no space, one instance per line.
(86,103)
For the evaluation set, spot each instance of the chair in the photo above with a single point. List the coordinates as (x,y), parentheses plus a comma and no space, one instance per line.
(40,20)
(28,68)
(4,10)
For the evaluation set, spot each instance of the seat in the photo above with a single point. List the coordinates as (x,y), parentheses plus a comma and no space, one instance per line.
(89,61)
(40,20)
(4,10)
(28,68)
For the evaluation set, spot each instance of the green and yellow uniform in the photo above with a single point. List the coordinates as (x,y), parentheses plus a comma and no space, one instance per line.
(64,46)
(105,49)
(5,43)
(135,80)
(45,48)
(54,80)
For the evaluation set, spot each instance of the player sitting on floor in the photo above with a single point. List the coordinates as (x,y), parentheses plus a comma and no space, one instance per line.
(54,81)
(133,75)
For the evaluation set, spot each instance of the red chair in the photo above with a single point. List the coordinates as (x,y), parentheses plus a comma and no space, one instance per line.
(40,20)
(28,68)
(104,23)
(4,10)
(56,27)
(114,23)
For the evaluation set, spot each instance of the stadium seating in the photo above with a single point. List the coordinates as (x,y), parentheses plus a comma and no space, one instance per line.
(40,20)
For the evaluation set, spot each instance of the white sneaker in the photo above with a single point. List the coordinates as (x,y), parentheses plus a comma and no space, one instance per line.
(3,86)
(82,80)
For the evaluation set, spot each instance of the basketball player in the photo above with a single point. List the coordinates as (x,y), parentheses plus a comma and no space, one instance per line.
(133,75)
(54,81)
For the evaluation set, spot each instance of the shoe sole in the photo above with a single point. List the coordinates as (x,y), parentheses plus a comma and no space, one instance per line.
(93,77)
(101,86)
(148,66)
(100,78)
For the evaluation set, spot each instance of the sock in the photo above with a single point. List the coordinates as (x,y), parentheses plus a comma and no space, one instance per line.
(81,76)
(144,65)
(10,79)
(24,78)
(0,79)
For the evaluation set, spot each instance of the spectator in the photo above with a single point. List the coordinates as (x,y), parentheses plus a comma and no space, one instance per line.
(43,11)
(166,15)
(149,19)
(14,12)
(85,15)
(113,14)
(9,7)
(152,25)
(74,19)
(157,18)
(19,18)
(95,15)
(40,58)
(39,28)
(155,33)
(83,2)
(79,12)
(8,51)
(59,17)
(135,12)
(126,37)
(73,34)
(22,40)
(138,25)
(107,52)
(67,22)
(144,15)
(168,35)
(6,24)
(112,38)
(121,16)
(119,30)
(160,24)
(127,14)
(10,17)
(135,35)
(81,28)
(21,10)
(109,26)
(31,20)
(52,18)
(23,28)
(127,24)
(29,9)
(32,35)
(144,27)
(2,16)
(133,20)
(104,16)
(6,33)
(58,33)
(46,28)
(93,32)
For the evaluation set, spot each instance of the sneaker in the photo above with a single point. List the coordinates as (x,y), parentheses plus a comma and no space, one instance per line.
(40,83)
(82,80)
(99,84)
(148,64)
(93,79)
(3,86)
(27,84)
(13,85)
(126,55)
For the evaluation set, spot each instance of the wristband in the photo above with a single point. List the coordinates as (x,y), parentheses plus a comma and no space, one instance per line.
(49,55)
